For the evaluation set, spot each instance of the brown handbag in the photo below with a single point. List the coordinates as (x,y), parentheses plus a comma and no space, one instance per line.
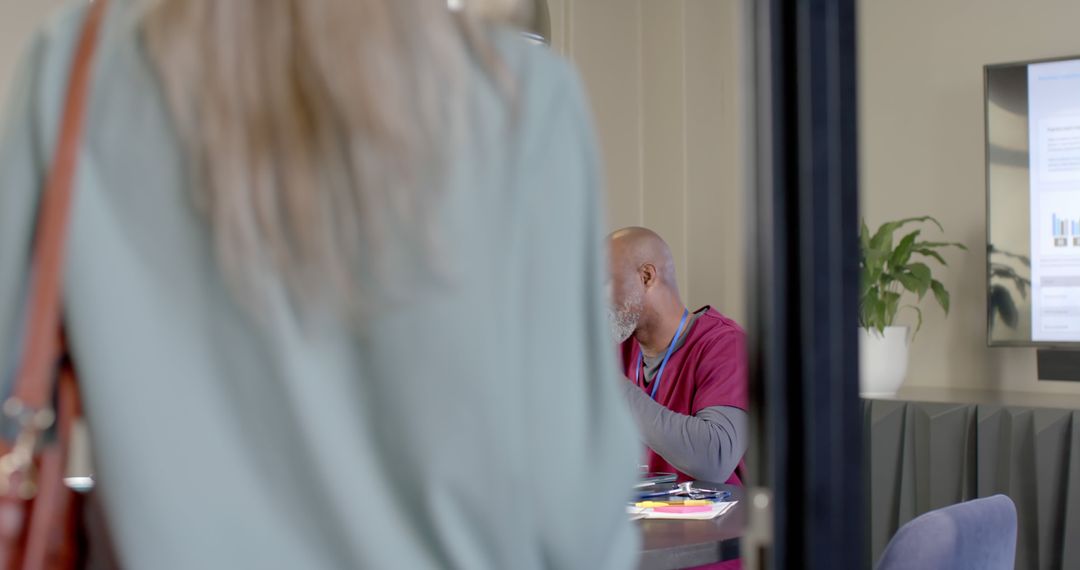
(39,515)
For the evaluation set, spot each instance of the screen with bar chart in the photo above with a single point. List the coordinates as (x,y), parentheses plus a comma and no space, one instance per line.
(1066,231)
(1054,173)
(1033,202)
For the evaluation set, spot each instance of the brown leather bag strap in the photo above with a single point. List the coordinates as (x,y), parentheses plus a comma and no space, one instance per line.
(34,384)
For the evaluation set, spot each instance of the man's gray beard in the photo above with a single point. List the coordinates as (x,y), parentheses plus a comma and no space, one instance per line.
(623,321)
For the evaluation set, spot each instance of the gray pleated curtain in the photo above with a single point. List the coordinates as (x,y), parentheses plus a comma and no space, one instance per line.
(924,456)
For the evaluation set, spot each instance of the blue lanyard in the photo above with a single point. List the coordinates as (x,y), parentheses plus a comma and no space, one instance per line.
(663,363)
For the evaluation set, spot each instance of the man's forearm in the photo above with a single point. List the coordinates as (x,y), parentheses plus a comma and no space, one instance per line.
(707,446)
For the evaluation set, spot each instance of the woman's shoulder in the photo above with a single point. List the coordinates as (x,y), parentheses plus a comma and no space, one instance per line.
(541,78)
(527,58)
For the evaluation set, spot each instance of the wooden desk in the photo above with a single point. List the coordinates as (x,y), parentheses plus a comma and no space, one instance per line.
(667,545)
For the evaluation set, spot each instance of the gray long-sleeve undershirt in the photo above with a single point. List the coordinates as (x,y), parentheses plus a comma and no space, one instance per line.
(706,446)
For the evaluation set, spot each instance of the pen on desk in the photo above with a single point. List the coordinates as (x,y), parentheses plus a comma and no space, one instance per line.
(713,495)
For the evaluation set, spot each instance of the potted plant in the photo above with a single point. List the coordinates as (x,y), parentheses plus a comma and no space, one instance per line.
(891,273)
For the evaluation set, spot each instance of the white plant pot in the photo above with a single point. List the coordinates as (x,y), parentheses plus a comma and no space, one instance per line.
(883,361)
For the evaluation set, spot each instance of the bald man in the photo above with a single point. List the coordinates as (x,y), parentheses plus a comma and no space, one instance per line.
(685,371)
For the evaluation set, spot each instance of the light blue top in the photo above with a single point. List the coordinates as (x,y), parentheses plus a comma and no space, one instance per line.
(476,426)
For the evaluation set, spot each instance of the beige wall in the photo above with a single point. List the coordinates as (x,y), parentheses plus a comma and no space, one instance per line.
(921,129)
(662,76)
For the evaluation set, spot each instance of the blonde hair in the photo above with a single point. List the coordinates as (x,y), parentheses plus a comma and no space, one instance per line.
(320,129)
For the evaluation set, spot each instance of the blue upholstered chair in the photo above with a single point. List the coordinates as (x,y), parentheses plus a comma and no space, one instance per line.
(979,534)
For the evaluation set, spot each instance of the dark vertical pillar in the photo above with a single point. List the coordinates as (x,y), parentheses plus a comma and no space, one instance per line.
(804,348)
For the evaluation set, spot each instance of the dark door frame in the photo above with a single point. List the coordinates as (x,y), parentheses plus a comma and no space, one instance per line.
(807,457)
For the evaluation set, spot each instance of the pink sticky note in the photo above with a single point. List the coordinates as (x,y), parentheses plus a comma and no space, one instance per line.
(678,509)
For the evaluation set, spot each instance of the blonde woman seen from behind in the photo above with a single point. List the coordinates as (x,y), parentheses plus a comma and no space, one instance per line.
(334,287)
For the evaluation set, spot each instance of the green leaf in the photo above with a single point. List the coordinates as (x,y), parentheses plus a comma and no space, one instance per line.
(891,301)
(879,316)
(931,253)
(911,283)
(881,237)
(941,295)
(885,231)
(918,313)
(902,254)
(873,268)
(867,281)
(921,272)
(868,311)
(875,260)
(939,245)
(932,219)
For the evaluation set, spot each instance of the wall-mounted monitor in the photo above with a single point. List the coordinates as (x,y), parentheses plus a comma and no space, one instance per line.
(1033,203)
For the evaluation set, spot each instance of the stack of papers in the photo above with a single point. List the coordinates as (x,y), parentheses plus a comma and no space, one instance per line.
(700,513)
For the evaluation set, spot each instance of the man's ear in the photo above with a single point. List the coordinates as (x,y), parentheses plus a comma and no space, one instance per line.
(648,275)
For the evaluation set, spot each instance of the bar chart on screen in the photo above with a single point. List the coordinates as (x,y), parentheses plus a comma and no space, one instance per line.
(1065,230)
(1056,287)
